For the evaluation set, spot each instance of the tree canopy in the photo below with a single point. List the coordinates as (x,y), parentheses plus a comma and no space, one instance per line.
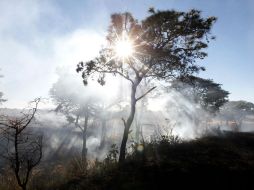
(163,46)
(206,92)
(166,44)
(78,105)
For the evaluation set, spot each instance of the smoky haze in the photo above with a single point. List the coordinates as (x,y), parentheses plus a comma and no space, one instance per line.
(162,112)
(124,94)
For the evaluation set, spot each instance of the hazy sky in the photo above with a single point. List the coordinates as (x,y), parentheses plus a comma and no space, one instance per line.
(38,36)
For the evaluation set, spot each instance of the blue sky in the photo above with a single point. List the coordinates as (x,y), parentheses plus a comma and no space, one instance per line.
(37,37)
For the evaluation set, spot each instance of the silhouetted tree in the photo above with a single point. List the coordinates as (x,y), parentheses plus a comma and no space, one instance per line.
(205,92)
(78,106)
(165,45)
(83,107)
(23,150)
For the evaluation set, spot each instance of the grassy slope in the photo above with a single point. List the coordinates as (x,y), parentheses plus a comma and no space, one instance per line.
(210,162)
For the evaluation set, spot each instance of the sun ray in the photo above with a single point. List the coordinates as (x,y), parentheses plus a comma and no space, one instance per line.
(125,49)
(141,35)
(140,62)
(117,37)
(110,59)
(123,46)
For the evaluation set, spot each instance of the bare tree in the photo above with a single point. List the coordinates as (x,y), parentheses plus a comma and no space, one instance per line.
(22,149)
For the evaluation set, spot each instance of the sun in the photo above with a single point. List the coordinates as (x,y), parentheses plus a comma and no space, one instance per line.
(123,47)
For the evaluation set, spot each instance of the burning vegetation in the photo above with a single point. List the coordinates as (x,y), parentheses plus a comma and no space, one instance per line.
(148,123)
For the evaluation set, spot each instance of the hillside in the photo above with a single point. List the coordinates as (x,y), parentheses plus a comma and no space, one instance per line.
(215,162)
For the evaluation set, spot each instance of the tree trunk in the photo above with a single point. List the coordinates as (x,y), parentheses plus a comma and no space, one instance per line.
(17,161)
(127,124)
(137,135)
(103,134)
(84,149)
(17,164)
(23,187)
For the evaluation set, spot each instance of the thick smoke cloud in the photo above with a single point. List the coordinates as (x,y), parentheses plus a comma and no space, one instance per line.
(159,113)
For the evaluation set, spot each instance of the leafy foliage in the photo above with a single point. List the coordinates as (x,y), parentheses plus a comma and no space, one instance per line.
(167,44)
(112,154)
(207,93)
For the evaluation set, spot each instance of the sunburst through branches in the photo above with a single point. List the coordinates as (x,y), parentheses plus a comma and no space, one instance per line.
(123,47)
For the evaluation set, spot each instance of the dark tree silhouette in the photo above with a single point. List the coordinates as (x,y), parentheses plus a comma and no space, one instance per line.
(207,93)
(23,150)
(79,110)
(165,46)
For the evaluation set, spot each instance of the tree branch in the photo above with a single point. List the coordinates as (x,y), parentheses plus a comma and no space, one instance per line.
(137,99)
(124,122)
(101,70)
(77,124)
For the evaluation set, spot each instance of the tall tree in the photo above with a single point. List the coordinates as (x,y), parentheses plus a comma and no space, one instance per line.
(163,46)
(76,103)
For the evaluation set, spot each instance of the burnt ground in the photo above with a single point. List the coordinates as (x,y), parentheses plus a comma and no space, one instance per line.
(212,162)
